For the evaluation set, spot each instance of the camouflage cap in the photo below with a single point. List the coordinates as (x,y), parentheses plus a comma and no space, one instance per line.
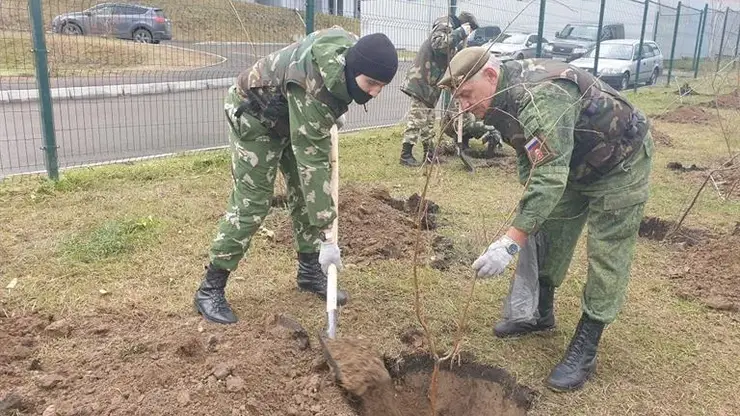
(467,61)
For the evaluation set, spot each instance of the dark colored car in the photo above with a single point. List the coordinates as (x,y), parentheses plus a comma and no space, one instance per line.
(124,21)
(576,39)
(482,35)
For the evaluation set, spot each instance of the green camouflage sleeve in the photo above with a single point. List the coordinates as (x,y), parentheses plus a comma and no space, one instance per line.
(310,122)
(549,121)
(444,40)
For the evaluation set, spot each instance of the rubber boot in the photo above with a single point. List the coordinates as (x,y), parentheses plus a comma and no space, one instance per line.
(579,362)
(312,279)
(210,298)
(407,156)
(546,321)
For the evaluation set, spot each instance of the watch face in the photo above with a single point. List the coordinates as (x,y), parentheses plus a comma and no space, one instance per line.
(512,249)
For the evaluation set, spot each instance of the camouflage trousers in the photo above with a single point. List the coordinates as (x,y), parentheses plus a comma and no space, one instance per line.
(613,208)
(419,123)
(255,159)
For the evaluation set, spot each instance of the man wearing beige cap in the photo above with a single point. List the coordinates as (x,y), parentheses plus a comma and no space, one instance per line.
(584,155)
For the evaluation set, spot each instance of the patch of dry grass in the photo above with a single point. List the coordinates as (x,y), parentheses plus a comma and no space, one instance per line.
(663,355)
(82,55)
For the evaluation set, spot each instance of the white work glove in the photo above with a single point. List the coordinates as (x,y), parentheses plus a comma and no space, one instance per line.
(466,27)
(329,254)
(496,258)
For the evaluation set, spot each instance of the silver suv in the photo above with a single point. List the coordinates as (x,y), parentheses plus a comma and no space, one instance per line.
(124,21)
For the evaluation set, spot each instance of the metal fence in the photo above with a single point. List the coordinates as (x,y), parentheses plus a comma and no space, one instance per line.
(73,93)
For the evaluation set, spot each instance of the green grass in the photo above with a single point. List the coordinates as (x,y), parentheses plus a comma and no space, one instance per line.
(664,355)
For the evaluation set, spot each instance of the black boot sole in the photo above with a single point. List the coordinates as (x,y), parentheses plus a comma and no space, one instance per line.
(534,331)
(208,318)
(559,389)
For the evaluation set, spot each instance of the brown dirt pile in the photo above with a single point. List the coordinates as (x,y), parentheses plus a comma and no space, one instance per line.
(687,115)
(113,364)
(660,137)
(357,364)
(470,389)
(728,101)
(711,273)
(658,229)
(375,226)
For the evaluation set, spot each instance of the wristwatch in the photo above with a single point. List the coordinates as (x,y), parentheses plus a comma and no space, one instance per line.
(512,248)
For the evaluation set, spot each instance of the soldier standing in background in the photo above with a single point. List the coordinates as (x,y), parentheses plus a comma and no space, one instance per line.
(585,154)
(279,113)
(430,63)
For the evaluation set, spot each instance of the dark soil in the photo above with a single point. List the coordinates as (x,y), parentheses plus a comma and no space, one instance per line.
(679,167)
(728,101)
(447,254)
(468,389)
(110,364)
(654,228)
(375,226)
(687,115)
(711,273)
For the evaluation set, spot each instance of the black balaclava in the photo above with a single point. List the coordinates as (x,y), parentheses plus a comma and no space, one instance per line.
(374,56)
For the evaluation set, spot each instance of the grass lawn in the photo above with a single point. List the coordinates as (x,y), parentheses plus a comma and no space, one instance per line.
(127,244)
(81,56)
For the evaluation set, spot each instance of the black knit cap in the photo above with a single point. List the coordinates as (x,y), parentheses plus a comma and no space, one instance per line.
(375,56)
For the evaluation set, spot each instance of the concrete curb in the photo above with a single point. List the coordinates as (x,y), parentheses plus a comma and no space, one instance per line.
(119,90)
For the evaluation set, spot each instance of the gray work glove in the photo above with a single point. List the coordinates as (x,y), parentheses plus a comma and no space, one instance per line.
(341,121)
(329,254)
(496,258)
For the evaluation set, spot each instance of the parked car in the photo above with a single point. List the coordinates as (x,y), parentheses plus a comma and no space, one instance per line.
(577,38)
(482,35)
(516,45)
(618,62)
(124,21)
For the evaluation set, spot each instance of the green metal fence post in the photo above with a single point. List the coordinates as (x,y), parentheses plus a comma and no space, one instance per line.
(673,46)
(44,87)
(655,26)
(701,40)
(722,39)
(642,39)
(598,37)
(698,35)
(541,28)
(737,44)
(309,16)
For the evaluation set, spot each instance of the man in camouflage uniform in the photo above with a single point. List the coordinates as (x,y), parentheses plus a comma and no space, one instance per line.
(279,114)
(585,155)
(447,37)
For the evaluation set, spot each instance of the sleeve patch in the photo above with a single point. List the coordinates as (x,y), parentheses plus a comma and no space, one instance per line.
(538,151)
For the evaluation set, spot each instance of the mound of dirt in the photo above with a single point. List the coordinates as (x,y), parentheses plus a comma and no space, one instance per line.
(710,274)
(687,115)
(375,226)
(468,389)
(357,365)
(679,167)
(658,229)
(728,101)
(111,364)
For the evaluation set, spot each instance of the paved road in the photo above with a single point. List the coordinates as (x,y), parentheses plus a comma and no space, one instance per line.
(238,57)
(99,130)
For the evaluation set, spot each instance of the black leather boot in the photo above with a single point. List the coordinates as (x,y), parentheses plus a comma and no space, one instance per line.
(210,298)
(312,279)
(579,362)
(546,321)
(407,156)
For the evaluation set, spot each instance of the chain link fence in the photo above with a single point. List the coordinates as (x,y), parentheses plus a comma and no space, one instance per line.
(84,82)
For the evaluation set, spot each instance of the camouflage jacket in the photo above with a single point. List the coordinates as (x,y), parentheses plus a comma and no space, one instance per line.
(566,126)
(299,92)
(431,62)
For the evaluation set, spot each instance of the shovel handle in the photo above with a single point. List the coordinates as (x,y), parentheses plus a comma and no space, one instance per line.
(331,286)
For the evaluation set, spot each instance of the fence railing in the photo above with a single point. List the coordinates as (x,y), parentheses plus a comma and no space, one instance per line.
(83,82)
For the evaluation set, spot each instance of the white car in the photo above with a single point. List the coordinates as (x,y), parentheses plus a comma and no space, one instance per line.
(518,46)
(618,62)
